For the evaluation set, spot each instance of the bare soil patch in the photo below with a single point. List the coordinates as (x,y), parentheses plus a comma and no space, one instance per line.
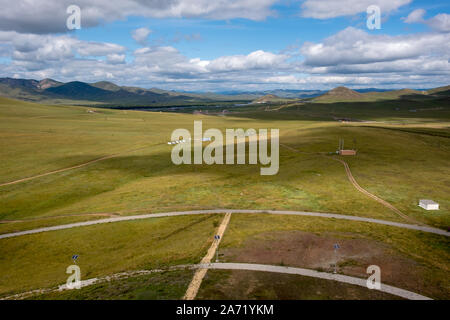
(314,251)
(243,285)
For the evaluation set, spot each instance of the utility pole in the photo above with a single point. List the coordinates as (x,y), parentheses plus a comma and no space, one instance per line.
(336,247)
(217,238)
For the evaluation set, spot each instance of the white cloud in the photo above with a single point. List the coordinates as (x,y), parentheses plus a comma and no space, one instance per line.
(440,22)
(97,48)
(169,60)
(115,58)
(355,57)
(415,16)
(31,52)
(49,16)
(255,60)
(319,80)
(351,57)
(325,9)
(355,46)
(140,35)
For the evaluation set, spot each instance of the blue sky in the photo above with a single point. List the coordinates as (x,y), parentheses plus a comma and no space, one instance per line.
(241,36)
(230,45)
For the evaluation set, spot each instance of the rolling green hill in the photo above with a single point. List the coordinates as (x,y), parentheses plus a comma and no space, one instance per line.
(343,94)
(271,98)
(109,94)
(440,91)
(102,93)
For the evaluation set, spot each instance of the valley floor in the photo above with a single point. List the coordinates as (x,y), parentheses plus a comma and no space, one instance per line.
(63,165)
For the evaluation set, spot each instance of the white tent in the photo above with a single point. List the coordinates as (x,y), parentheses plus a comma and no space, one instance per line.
(429,204)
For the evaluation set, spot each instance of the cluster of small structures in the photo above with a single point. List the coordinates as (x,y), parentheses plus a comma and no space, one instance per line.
(176,142)
(184,140)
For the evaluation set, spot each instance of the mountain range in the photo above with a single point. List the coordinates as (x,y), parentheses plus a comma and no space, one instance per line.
(110,94)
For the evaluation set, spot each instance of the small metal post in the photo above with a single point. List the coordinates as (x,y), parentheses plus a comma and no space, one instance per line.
(335,261)
(336,247)
(216,238)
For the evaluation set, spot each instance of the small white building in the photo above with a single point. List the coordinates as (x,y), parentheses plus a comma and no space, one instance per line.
(429,205)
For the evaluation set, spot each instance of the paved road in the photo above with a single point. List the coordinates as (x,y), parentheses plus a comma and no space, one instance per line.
(216,211)
(315,274)
(236,266)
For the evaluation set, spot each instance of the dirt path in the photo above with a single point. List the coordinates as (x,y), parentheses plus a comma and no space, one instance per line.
(69,168)
(232,266)
(219,211)
(100,214)
(371,195)
(359,188)
(192,290)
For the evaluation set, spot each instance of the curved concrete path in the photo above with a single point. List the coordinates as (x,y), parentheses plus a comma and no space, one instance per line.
(236,266)
(315,274)
(219,211)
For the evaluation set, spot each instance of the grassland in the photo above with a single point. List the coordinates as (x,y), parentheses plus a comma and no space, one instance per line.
(408,259)
(37,139)
(40,261)
(169,285)
(402,157)
(221,285)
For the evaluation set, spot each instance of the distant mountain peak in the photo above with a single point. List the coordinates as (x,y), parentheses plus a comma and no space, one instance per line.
(267,98)
(47,83)
(106,85)
(343,91)
(109,93)
(340,94)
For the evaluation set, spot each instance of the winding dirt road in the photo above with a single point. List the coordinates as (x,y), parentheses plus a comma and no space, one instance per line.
(358,187)
(371,195)
(70,168)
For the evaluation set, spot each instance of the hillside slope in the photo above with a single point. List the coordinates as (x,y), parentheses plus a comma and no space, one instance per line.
(340,94)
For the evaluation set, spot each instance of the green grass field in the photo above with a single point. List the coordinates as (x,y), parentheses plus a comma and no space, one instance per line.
(402,157)
(169,285)
(40,261)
